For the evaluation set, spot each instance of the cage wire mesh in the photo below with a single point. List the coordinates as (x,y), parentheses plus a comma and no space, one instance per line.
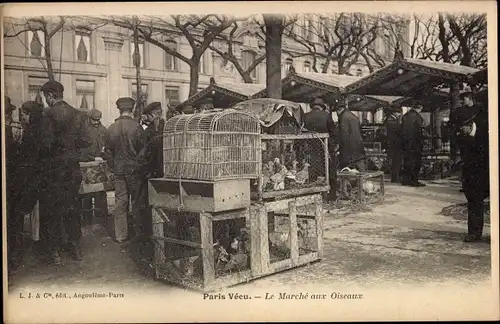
(357,190)
(292,165)
(212,146)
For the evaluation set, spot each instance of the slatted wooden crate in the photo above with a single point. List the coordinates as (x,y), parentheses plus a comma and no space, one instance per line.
(363,187)
(188,244)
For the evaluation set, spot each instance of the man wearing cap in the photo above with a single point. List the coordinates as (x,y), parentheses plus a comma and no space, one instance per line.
(412,138)
(393,144)
(126,146)
(205,104)
(98,136)
(351,148)
(471,124)
(154,139)
(69,129)
(320,121)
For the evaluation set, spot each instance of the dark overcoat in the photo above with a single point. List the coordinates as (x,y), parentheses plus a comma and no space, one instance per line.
(351,148)
(411,131)
(154,148)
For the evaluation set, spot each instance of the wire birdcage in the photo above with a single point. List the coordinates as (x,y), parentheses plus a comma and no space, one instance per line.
(212,146)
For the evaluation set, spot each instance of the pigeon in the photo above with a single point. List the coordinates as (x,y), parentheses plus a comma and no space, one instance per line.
(303,175)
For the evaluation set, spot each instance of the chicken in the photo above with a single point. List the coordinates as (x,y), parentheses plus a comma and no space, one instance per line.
(303,175)
(282,241)
(293,171)
(237,261)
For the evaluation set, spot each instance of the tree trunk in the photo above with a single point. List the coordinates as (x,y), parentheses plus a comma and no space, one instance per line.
(274,31)
(48,59)
(194,77)
(246,77)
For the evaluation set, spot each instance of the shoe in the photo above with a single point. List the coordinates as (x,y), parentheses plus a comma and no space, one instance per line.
(76,253)
(462,190)
(469,238)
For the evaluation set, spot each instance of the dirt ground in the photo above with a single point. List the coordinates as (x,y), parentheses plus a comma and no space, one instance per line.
(401,240)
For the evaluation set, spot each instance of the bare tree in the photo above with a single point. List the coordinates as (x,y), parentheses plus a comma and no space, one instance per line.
(199,31)
(342,38)
(49,27)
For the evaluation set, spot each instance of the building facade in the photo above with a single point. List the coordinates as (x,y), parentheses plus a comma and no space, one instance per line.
(96,66)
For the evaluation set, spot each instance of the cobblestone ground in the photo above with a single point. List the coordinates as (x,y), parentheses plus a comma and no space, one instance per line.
(401,240)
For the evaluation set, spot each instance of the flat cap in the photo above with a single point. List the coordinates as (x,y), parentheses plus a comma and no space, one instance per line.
(125,103)
(318,102)
(152,107)
(95,114)
(32,108)
(52,87)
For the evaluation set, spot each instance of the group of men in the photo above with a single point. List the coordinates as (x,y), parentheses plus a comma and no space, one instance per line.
(470,127)
(43,165)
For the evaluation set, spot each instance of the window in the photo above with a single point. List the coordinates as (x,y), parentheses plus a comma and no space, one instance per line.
(85,94)
(144,90)
(171,93)
(288,65)
(34,86)
(82,47)
(248,57)
(204,62)
(36,39)
(170,60)
(310,29)
(141,53)
(307,66)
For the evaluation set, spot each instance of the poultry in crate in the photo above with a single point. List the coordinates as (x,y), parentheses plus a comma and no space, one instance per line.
(278,179)
(290,179)
(303,175)
(280,241)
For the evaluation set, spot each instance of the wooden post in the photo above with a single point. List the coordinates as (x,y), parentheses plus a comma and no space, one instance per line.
(207,249)
(318,206)
(158,231)
(293,236)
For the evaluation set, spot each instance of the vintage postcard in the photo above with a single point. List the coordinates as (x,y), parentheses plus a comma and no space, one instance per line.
(249,161)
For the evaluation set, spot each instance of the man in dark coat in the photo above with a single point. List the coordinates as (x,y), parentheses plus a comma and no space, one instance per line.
(393,144)
(69,134)
(412,145)
(126,148)
(472,125)
(320,121)
(154,139)
(98,135)
(351,148)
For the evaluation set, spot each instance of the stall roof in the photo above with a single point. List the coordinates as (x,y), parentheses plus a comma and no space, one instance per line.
(305,86)
(409,78)
(224,94)
(372,103)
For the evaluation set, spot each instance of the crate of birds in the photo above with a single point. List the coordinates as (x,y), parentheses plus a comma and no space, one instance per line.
(294,228)
(202,251)
(95,177)
(360,187)
(212,146)
(292,165)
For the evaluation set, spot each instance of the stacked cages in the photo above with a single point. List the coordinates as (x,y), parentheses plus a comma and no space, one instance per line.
(292,165)
(212,146)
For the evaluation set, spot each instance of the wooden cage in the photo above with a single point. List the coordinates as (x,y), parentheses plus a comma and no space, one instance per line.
(362,187)
(209,251)
(212,146)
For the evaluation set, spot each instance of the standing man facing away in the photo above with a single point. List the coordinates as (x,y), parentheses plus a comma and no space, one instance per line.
(351,148)
(392,127)
(125,147)
(412,137)
(472,125)
(320,121)
(69,128)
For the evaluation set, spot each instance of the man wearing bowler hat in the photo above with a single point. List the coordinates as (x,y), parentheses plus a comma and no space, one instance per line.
(412,138)
(125,146)
(471,124)
(320,121)
(69,129)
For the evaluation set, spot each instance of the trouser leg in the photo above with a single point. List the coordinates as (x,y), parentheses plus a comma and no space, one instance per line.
(475,213)
(73,219)
(121,208)
(140,205)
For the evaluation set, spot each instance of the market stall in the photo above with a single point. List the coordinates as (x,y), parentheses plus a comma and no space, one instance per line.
(224,94)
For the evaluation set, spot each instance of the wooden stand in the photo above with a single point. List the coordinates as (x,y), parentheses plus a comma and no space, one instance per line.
(172,253)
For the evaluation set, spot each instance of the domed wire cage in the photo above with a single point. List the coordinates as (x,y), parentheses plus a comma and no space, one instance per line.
(212,146)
